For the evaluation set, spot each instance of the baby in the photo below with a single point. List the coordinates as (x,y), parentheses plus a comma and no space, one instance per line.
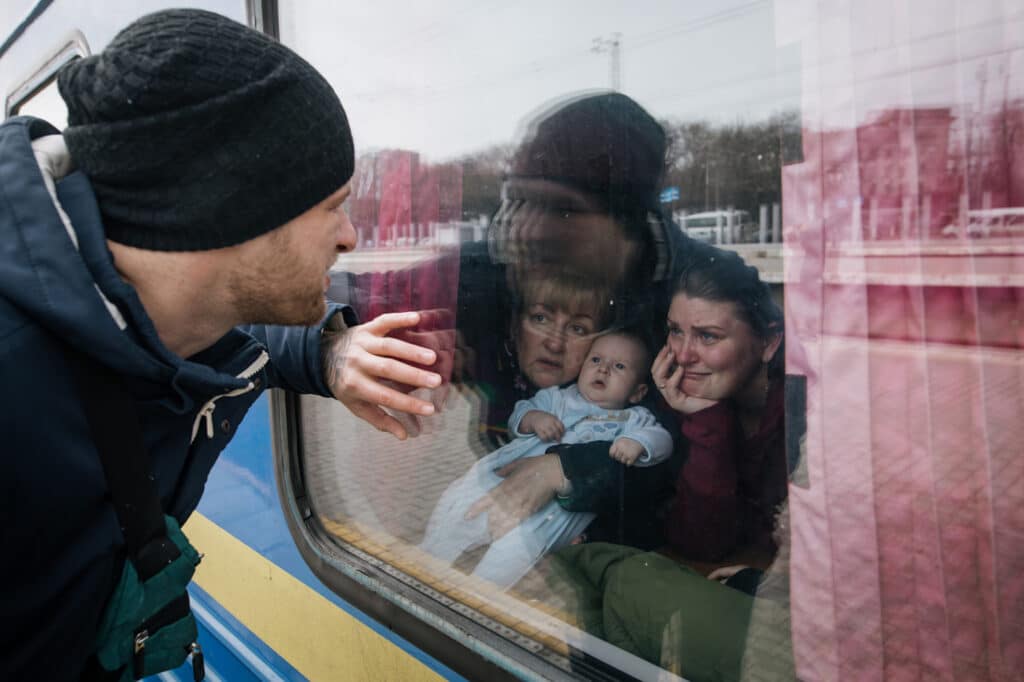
(600,406)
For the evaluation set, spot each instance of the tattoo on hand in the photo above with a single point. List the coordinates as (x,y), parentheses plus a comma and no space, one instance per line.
(333,346)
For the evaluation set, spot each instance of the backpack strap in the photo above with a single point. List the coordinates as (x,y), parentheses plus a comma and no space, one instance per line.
(117,436)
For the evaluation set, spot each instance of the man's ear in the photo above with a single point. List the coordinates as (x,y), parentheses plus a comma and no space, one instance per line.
(638,394)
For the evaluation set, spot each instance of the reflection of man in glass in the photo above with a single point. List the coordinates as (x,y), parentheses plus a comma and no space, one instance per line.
(581,198)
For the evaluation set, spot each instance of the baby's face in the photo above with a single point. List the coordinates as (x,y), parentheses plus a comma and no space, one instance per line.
(613,372)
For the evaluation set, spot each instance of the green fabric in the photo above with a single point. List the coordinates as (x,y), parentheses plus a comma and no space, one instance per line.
(134,601)
(651,606)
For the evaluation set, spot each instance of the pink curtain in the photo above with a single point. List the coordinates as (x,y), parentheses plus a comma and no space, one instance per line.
(905,311)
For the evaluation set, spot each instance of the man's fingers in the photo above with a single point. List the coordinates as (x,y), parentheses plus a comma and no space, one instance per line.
(401,373)
(400,350)
(382,324)
(411,423)
(378,418)
(396,400)
(377,393)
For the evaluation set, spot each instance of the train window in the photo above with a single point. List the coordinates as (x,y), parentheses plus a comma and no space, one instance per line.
(37,95)
(46,104)
(557,184)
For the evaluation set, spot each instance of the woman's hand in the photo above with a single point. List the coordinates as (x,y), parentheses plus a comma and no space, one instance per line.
(529,484)
(668,377)
(366,371)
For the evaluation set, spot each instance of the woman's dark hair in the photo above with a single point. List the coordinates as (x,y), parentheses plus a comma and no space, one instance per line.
(714,274)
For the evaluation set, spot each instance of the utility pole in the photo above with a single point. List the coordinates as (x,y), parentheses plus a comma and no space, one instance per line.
(612,45)
(707,179)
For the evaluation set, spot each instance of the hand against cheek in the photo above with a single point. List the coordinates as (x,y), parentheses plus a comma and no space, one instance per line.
(668,378)
(626,450)
(368,371)
(548,427)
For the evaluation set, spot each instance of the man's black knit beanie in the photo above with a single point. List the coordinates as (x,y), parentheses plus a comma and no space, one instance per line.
(605,145)
(197,132)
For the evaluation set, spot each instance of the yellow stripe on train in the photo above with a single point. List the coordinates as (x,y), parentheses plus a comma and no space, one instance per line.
(320,640)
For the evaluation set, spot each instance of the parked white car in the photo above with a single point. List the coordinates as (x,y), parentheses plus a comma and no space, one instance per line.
(713,226)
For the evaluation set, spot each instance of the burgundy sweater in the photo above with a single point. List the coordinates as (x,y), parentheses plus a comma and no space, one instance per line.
(729,488)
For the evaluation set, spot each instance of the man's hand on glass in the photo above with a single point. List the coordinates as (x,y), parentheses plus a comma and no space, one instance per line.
(369,371)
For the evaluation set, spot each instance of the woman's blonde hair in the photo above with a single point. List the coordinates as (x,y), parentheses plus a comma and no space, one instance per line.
(564,290)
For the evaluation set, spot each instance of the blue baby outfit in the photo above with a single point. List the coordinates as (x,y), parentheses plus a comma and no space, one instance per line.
(508,559)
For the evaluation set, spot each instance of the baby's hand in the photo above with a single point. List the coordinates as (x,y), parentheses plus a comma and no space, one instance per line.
(547,426)
(626,450)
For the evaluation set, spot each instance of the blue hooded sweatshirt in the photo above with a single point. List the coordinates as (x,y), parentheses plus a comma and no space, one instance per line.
(59,290)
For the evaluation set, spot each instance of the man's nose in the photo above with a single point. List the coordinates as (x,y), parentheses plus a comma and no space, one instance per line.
(346,238)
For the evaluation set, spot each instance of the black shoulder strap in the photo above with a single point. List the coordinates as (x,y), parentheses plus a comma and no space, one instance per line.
(117,435)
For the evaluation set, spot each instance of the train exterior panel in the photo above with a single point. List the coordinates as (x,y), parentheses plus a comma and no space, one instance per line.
(874,154)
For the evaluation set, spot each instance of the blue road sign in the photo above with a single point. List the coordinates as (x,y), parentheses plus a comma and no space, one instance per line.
(669,194)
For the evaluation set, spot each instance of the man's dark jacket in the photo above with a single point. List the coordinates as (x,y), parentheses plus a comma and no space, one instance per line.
(59,291)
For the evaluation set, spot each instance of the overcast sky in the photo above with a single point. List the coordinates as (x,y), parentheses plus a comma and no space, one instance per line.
(447,78)
(451,77)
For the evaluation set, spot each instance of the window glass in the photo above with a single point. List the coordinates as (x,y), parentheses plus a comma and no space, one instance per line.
(47,105)
(572,193)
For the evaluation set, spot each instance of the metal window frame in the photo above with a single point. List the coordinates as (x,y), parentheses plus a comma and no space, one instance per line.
(466,647)
(75,46)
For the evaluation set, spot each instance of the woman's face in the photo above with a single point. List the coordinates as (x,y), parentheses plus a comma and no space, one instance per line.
(718,351)
(553,342)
